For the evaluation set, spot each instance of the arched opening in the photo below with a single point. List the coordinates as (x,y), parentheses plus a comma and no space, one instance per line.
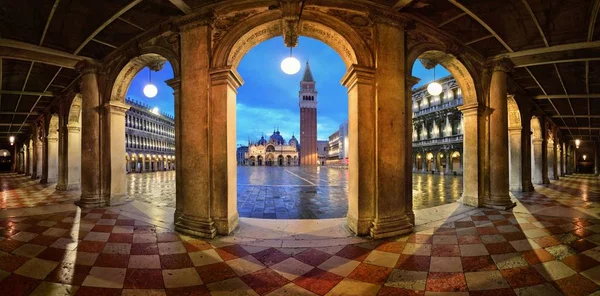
(52,140)
(515,139)
(6,160)
(73,167)
(537,141)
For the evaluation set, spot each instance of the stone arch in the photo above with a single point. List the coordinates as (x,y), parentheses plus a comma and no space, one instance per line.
(515,157)
(52,140)
(514,115)
(537,140)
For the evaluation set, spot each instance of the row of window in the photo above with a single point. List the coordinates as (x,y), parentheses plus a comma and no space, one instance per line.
(149,126)
(136,142)
(428,101)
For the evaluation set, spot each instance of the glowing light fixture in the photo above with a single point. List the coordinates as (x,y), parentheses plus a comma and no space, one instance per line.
(4,153)
(150,90)
(441,155)
(290,65)
(577,142)
(584,157)
(434,88)
(155,110)
(12,140)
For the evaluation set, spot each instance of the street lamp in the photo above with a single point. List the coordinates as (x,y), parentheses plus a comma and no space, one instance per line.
(584,157)
(434,88)
(577,142)
(150,90)
(12,140)
(290,65)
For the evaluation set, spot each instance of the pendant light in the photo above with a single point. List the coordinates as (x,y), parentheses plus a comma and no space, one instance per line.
(150,90)
(290,65)
(434,88)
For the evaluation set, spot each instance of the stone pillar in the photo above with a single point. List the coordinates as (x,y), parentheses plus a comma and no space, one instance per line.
(224,84)
(73,156)
(448,161)
(52,140)
(545,154)
(39,151)
(91,165)
(377,198)
(30,159)
(526,153)
(194,128)
(408,202)
(44,156)
(499,183)
(414,169)
(62,149)
(473,121)
(516,169)
(175,84)
(25,160)
(143,166)
(560,160)
(434,165)
(114,152)
(551,159)
(537,167)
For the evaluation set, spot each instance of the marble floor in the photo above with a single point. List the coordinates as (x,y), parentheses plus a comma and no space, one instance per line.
(293,192)
(548,245)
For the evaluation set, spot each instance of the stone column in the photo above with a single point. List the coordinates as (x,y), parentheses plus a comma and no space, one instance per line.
(194,128)
(545,154)
(39,151)
(62,148)
(414,168)
(434,165)
(143,166)
(499,183)
(448,161)
(91,165)
(382,109)
(516,169)
(473,121)
(30,159)
(551,159)
(224,85)
(561,173)
(44,156)
(73,156)
(114,152)
(526,153)
(408,202)
(537,167)
(52,140)
(175,84)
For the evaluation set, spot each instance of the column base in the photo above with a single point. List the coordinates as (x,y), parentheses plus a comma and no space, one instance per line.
(546,181)
(411,216)
(91,201)
(43,181)
(61,187)
(196,227)
(504,203)
(115,200)
(226,226)
(390,227)
(358,226)
(470,201)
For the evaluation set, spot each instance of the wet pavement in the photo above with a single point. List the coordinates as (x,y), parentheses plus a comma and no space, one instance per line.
(293,192)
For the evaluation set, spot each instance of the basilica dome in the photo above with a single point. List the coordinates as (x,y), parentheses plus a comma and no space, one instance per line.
(277,138)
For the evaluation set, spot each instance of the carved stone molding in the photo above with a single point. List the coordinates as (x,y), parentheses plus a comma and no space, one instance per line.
(503,65)
(194,20)
(223,23)
(85,67)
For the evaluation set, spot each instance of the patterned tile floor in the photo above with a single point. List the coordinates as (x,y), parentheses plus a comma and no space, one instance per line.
(482,252)
(18,191)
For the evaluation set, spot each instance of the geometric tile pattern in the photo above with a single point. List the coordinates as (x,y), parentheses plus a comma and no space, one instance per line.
(20,191)
(101,252)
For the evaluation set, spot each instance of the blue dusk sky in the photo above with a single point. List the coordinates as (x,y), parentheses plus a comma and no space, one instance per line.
(269,97)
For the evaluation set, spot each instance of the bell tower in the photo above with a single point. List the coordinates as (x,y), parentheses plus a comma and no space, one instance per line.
(307,97)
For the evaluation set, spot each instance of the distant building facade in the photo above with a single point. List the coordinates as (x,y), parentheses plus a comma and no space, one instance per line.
(338,152)
(438,129)
(149,139)
(322,151)
(273,152)
(240,154)
(307,101)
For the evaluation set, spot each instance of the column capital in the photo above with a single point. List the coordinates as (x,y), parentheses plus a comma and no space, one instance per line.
(380,16)
(174,83)
(412,81)
(503,65)
(73,127)
(472,109)
(225,75)
(515,129)
(357,74)
(195,20)
(86,67)
(116,107)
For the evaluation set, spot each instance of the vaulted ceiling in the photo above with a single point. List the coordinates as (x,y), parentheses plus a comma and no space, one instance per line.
(555,45)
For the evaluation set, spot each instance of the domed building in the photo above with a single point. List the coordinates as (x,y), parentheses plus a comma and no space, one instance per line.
(274,152)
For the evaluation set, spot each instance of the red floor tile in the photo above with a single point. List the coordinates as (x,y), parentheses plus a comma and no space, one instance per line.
(370,273)
(413,262)
(43,240)
(487,230)
(215,272)
(9,245)
(575,285)
(318,281)
(144,249)
(464,224)
(582,232)
(580,262)
(196,245)
(537,256)
(167,237)
(468,239)
(93,291)
(121,238)
(125,222)
(90,246)
(354,253)
(264,281)
(478,263)
(312,257)
(513,236)
(144,279)
(500,248)
(37,229)
(270,256)
(70,274)
(12,262)
(497,292)
(547,241)
(446,282)
(582,245)
(420,239)
(112,260)
(522,277)
(391,247)
(231,252)
(175,261)
(16,285)
(445,251)
(189,291)
(102,228)
(53,254)
(391,291)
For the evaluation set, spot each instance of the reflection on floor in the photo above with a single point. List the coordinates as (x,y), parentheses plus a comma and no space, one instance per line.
(18,191)
(547,245)
(293,192)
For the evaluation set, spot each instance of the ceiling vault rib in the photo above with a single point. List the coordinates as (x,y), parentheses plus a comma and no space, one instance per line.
(48,21)
(27,93)
(587,91)
(21,95)
(482,23)
(452,19)
(575,96)
(103,43)
(575,116)
(181,6)
(38,99)
(566,93)
(593,17)
(106,23)
(537,24)
(130,23)
(479,39)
